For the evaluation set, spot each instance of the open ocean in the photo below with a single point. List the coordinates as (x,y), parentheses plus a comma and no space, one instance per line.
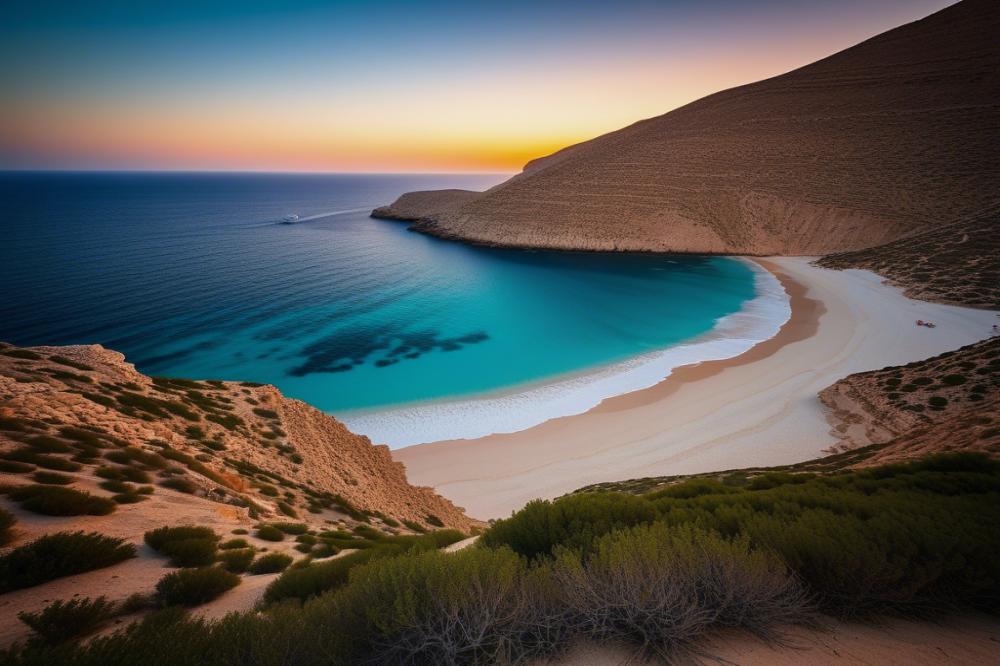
(407,337)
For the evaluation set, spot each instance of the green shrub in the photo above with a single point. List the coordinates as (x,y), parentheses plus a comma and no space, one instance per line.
(953,380)
(58,501)
(573,522)
(240,530)
(288,510)
(193,587)
(894,538)
(434,520)
(30,455)
(181,484)
(60,554)
(270,533)
(15,467)
(236,560)
(233,544)
(52,478)
(479,606)
(660,587)
(414,526)
(937,401)
(186,546)
(63,621)
(133,455)
(270,563)
(21,353)
(292,528)
(320,577)
(265,413)
(47,444)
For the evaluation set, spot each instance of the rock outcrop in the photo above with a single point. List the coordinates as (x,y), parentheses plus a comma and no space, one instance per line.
(886,139)
(242,445)
(950,402)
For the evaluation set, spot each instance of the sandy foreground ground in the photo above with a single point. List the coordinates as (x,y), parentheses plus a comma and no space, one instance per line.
(966,640)
(757,409)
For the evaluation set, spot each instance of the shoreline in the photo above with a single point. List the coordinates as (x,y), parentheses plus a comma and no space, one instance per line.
(521,407)
(759,408)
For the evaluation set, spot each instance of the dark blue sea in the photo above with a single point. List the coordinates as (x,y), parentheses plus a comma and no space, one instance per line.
(407,337)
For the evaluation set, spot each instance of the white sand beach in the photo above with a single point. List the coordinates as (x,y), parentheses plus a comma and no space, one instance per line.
(757,409)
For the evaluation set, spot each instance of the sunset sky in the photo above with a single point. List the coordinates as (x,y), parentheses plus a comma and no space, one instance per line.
(387,87)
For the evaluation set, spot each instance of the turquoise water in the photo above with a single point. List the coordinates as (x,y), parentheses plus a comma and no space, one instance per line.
(191,275)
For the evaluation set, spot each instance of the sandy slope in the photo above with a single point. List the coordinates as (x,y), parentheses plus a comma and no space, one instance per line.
(758,409)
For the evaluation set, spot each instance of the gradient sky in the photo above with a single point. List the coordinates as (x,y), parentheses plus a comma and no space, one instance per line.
(393,86)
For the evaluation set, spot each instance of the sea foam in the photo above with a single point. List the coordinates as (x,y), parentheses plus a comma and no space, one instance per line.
(521,408)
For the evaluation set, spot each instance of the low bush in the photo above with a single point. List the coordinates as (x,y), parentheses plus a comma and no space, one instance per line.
(48,461)
(58,501)
(181,484)
(67,620)
(434,520)
(320,577)
(60,554)
(573,522)
(15,467)
(897,538)
(52,478)
(7,521)
(236,560)
(186,546)
(47,444)
(292,528)
(193,587)
(270,533)
(660,587)
(265,413)
(270,563)
(233,544)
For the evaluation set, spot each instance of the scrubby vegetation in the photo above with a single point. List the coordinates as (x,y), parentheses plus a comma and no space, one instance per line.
(270,563)
(270,533)
(306,582)
(186,546)
(892,539)
(58,501)
(7,522)
(60,554)
(236,560)
(193,587)
(61,621)
(656,571)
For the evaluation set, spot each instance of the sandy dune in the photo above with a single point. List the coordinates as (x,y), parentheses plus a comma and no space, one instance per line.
(756,410)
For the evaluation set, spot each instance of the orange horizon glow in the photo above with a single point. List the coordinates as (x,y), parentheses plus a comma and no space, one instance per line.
(493,116)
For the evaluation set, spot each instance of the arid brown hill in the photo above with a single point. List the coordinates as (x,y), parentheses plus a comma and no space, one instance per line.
(880,141)
(946,403)
(956,263)
(241,447)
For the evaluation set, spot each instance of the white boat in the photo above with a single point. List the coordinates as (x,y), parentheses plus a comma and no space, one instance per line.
(289,219)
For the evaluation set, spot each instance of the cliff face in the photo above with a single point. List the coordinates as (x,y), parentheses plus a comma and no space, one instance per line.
(241,446)
(885,139)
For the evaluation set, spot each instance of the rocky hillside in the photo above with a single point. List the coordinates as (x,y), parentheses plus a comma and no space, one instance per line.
(877,142)
(945,403)
(80,409)
(955,263)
